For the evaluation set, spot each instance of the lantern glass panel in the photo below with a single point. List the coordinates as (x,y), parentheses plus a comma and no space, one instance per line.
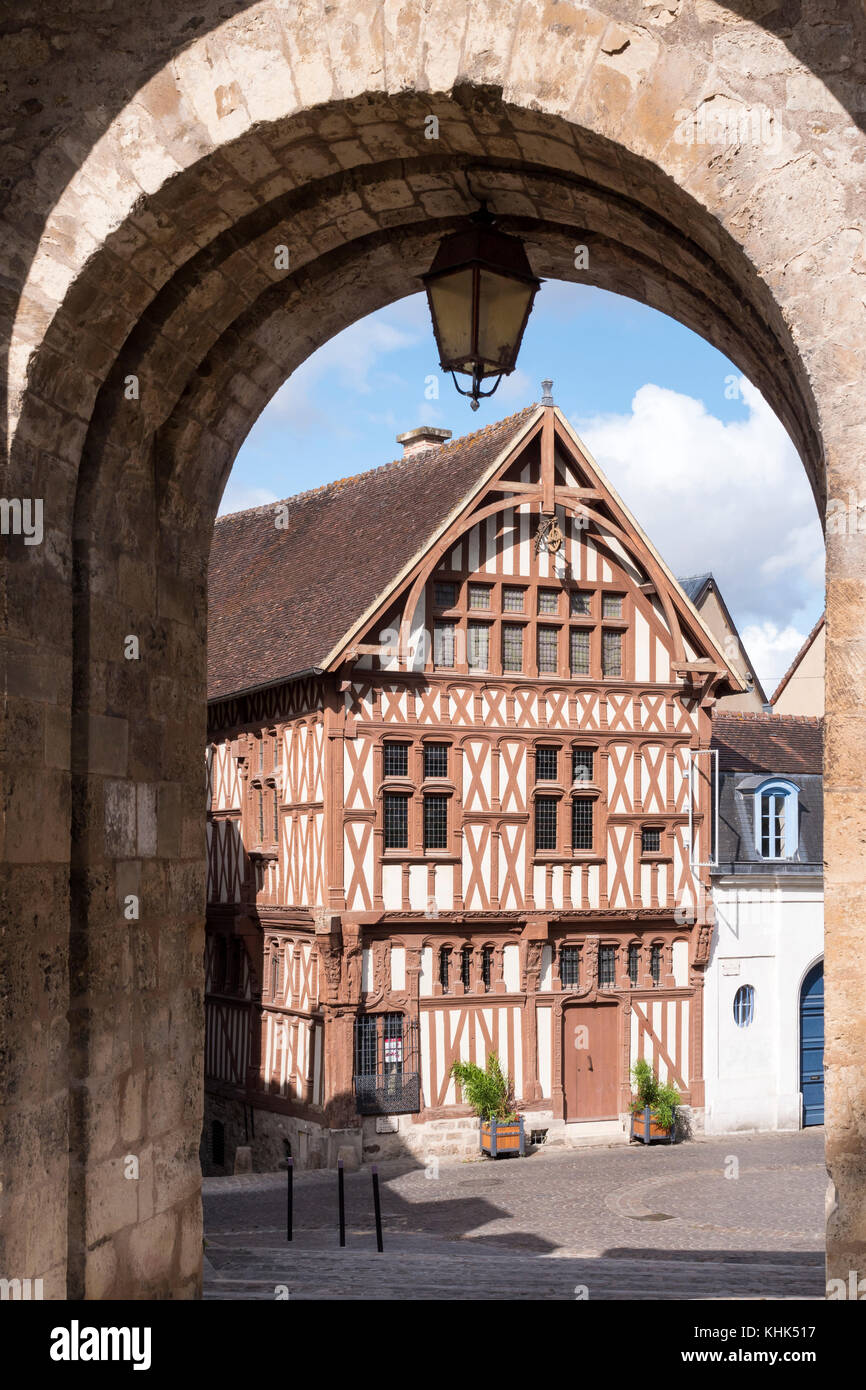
(502,308)
(451,308)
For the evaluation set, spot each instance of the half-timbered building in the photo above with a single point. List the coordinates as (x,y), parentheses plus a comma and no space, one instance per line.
(459,801)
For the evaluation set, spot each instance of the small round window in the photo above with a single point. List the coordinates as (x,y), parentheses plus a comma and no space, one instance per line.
(744,1005)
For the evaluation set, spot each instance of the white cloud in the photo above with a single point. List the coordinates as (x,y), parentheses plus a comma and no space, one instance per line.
(348,361)
(730,497)
(772,649)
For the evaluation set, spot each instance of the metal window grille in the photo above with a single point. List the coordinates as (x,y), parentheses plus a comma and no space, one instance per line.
(744,1006)
(512,599)
(436,822)
(548,601)
(581,764)
(545,764)
(633,965)
(386,1076)
(611,653)
(579,652)
(479,595)
(443,644)
(396,821)
(581,822)
(611,606)
(547,638)
(395,759)
(466,967)
(478,643)
(580,604)
(650,839)
(276,817)
(545,822)
(656,964)
(261,815)
(366,1052)
(512,647)
(435,759)
(444,595)
(486,965)
(607,966)
(444,966)
(569,966)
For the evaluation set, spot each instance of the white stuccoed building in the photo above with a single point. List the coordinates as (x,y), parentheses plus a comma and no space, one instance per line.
(764,991)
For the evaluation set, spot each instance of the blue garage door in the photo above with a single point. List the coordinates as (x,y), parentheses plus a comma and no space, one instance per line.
(812,1045)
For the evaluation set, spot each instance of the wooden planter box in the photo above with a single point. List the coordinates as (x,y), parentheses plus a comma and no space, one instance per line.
(499,1138)
(645,1128)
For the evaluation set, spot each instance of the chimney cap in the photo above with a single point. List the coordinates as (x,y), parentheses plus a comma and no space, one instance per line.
(424,437)
(547,392)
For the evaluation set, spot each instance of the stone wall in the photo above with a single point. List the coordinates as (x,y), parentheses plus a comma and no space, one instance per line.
(156,158)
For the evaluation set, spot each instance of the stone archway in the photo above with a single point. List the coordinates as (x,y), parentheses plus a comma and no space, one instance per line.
(149,325)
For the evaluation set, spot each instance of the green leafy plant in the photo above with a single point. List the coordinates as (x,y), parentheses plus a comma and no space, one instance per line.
(646,1083)
(488,1090)
(667,1100)
(661,1097)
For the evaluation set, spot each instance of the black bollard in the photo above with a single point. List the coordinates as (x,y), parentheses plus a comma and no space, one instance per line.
(290,1167)
(342,1201)
(377,1209)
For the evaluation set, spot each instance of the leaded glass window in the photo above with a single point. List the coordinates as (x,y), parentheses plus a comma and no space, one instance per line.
(611,653)
(579,654)
(545,822)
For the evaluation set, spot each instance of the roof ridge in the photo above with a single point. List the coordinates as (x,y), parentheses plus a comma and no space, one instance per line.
(438,449)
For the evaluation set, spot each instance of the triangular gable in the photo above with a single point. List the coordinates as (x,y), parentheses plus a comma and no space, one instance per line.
(571,452)
(377,609)
(798,660)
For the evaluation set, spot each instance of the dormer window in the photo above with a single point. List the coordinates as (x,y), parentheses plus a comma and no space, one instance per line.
(776,820)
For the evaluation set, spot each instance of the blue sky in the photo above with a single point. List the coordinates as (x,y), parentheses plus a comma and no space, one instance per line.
(688,443)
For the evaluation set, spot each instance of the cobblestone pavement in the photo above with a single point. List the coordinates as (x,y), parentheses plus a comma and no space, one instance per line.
(618,1221)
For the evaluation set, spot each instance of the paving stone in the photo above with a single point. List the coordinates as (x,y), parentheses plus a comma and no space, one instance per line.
(620,1222)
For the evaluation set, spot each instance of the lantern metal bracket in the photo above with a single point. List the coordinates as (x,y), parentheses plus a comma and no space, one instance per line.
(476,391)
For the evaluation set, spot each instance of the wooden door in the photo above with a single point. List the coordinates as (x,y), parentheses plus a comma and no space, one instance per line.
(590,1062)
(812,1045)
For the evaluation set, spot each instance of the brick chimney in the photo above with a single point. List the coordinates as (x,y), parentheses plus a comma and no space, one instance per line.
(425,437)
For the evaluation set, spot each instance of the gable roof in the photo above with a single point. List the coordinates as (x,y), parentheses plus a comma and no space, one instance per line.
(281,600)
(290,584)
(797,659)
(697,586)
(772,743)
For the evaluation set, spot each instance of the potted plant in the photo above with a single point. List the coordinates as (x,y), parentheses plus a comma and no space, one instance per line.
(654,1107)
(489,1091)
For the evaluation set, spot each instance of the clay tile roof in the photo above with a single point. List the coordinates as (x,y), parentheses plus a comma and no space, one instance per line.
(281,599)
(797,659)
(776,743)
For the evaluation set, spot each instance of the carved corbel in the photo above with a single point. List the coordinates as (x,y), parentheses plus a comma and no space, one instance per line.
(329,942)
(702,946)
(353,948)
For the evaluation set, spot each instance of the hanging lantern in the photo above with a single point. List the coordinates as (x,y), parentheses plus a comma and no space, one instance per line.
(480,289)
